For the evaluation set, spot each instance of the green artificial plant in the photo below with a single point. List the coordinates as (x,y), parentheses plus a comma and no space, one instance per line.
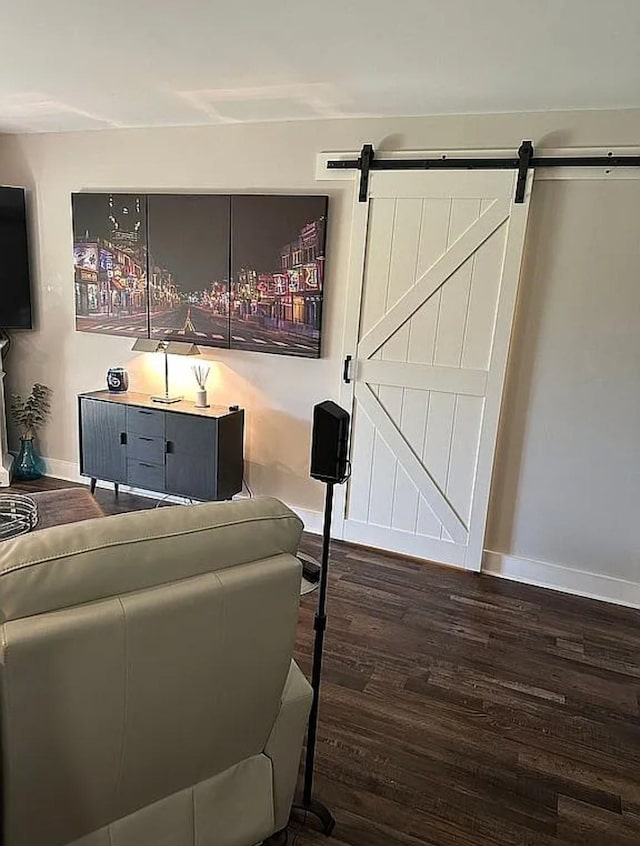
(31,413)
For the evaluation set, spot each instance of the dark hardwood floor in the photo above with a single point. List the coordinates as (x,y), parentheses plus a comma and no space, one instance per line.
(461,710)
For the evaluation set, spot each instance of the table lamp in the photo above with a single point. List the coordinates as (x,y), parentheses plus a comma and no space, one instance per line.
(168,348)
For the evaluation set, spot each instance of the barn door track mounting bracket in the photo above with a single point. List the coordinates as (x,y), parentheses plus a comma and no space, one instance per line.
(521,162)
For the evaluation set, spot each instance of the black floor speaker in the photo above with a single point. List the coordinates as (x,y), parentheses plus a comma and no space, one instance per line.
(330,442)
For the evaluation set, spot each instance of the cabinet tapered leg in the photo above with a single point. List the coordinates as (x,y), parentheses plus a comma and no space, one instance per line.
(116,488)
(93,485)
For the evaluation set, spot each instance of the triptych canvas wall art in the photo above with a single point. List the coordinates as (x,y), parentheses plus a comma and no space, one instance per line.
(234,271)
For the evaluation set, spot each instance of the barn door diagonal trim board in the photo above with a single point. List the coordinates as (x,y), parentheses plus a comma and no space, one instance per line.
(411,463)
(429,327)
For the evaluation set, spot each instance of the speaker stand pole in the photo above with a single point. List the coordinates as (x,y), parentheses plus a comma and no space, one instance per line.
(309,804)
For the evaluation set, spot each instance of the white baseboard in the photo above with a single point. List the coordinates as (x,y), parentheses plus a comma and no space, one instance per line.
(6,462)
(69,471)
(312,519)
(565,579)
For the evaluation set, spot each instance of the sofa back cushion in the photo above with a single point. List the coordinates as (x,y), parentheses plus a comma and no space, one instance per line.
(142,654)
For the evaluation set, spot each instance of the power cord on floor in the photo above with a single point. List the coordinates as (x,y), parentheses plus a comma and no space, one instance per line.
(246,484)
(168,496)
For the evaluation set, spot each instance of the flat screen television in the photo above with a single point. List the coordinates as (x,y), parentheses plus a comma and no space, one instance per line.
(15,284)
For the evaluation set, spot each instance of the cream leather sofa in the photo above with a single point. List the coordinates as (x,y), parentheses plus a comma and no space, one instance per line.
(148,693)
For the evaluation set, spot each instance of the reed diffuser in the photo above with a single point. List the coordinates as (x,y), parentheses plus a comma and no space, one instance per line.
(201,372)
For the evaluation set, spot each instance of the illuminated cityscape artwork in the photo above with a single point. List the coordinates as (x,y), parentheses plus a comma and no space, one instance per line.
(242,271)
(277,261)
(189,267)
(110,263)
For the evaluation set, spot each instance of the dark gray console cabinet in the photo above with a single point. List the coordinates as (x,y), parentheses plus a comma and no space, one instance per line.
(174,449)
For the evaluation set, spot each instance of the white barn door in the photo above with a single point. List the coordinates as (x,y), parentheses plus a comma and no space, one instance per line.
(439,255)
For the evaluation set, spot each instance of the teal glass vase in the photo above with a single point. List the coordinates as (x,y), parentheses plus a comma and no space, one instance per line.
(28,464)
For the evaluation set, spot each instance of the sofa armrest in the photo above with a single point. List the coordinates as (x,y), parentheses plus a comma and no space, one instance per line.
(285,742)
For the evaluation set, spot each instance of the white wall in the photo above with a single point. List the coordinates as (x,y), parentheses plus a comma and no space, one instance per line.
(566,486)
(566,489)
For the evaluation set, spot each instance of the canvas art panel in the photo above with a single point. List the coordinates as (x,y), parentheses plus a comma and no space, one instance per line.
(277,272)
(189,268)
(110,263)
(234,271)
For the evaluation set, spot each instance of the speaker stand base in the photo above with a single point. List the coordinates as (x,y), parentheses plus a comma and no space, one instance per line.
(319,811)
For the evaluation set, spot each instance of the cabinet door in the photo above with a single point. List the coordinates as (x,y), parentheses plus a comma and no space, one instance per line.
(191,456)
(103,454)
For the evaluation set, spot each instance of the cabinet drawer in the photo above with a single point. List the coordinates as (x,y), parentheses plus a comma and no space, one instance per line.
(145,421)
(146,448)
(142,474)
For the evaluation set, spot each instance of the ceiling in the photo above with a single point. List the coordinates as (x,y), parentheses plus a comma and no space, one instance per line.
(84,64)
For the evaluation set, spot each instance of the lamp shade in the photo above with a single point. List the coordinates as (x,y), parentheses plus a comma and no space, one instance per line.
(146,345)
(181,348)
(169,347)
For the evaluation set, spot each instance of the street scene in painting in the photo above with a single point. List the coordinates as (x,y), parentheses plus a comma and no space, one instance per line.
(110,263)
(189,267)
(277,257)
(243,272)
